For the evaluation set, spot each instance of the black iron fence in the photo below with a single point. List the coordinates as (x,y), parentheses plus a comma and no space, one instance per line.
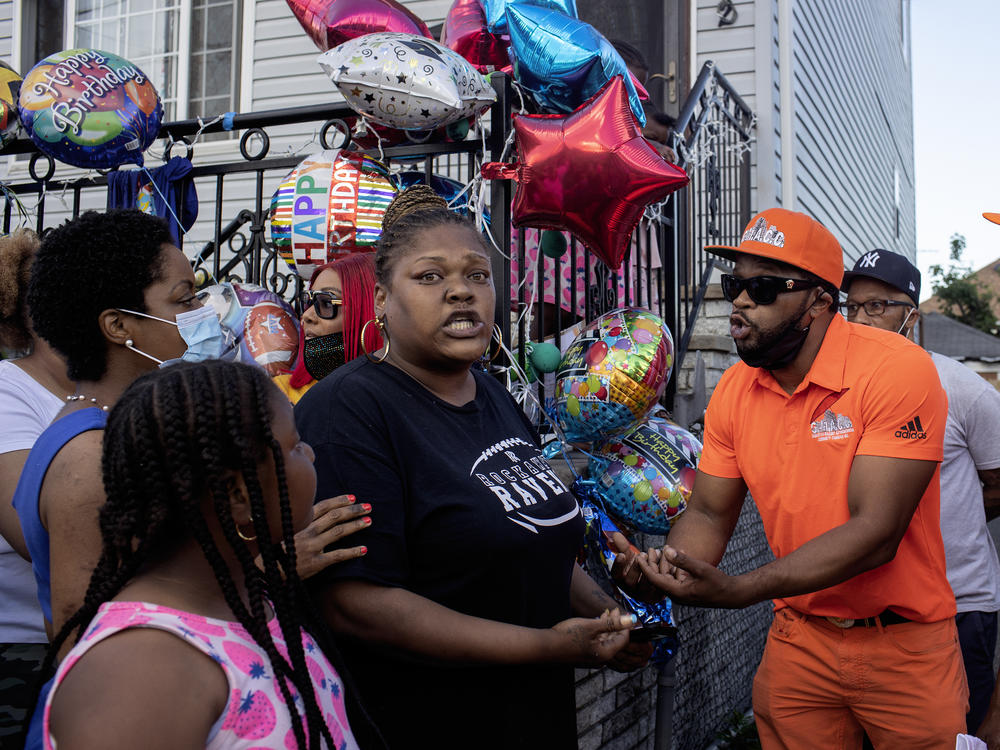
(666,269)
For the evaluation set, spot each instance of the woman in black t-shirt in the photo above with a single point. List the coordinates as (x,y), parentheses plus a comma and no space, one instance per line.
(456,623)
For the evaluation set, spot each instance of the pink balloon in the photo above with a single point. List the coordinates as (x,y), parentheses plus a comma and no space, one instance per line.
(465,32)
(332,22)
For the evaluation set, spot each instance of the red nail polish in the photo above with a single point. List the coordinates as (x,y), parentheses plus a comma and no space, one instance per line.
(367,520)
(367,508)
(351,498)
(364,550)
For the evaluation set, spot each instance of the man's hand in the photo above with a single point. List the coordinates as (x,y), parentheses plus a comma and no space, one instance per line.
(628,575)
(989,730)
(687,580)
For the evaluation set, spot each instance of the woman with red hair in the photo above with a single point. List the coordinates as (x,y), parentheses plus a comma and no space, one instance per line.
(336,308)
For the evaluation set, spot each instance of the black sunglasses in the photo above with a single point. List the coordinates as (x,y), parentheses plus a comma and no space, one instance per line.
(763,290)
(327,306)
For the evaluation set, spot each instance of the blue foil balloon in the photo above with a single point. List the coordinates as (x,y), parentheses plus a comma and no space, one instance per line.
(496,11)
(655,621)
(563,61)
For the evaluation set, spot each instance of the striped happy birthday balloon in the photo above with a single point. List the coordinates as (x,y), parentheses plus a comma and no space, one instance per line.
(330,205)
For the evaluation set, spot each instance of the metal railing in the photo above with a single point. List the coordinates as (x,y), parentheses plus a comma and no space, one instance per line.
(666,270)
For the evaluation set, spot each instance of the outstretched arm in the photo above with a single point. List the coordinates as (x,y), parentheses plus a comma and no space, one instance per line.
(702,532)
(882,495)
(397,617)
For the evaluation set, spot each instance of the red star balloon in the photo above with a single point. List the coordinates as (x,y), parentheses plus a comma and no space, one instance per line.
(590,173)
(332,22)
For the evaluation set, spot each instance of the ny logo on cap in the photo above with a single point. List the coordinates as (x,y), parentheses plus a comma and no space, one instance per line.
(761,232)
(869,260)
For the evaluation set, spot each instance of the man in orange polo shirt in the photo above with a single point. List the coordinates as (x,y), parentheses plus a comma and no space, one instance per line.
(837,431)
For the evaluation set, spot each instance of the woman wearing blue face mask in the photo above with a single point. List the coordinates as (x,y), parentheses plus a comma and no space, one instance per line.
(113,295)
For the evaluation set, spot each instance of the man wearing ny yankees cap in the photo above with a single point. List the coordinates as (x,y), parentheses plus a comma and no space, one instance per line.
(883,291)
(816,423)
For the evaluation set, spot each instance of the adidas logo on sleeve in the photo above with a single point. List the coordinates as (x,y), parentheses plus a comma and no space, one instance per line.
(912,430)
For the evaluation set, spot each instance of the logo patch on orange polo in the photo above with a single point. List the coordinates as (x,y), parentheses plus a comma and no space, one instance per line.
(831,427)
(912,430)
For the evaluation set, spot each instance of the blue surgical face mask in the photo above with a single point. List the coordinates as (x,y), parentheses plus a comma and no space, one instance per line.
(204,335)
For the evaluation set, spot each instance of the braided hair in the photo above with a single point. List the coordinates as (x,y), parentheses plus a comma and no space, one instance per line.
(170,442)
(415,209)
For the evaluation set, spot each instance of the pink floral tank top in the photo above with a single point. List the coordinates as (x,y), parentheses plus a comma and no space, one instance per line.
(255,716)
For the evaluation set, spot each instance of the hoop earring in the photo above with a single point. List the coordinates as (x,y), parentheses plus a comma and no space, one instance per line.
(498,337)
(241,535)
(383,332)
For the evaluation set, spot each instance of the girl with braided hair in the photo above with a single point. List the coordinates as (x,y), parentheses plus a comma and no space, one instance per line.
(110,293)
(335,307)
(459,622)
(182,641)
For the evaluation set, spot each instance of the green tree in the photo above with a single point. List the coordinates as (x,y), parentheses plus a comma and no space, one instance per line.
(963,297)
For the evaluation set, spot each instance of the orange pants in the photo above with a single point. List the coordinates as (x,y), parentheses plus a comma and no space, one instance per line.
(819,686)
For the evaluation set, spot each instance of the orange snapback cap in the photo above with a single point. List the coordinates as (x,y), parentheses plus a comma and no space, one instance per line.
(793,238)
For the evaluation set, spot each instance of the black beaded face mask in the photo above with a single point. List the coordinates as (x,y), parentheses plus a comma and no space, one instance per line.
(323,354)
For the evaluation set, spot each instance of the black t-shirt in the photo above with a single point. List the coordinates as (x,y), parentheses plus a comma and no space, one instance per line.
(468,513)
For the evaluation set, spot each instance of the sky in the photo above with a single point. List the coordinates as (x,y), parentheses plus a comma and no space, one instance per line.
(956,112)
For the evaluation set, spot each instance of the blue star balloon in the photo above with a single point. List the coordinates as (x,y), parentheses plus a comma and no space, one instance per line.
(563,61)
(496,11)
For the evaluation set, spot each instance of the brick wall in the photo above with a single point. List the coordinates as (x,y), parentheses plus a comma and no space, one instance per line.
(616,711)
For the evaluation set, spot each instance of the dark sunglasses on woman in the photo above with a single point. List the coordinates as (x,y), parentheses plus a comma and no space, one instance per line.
(327,306)
(763,290)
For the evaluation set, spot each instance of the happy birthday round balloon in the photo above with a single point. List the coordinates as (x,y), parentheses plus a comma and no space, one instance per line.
(406,81)
(330,205)
(613,374)
(90,108)
(646,477)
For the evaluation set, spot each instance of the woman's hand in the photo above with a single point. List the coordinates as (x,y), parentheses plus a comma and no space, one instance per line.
(333,519)
(594,641)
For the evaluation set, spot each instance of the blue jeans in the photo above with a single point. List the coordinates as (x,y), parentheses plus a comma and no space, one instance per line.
(977,635)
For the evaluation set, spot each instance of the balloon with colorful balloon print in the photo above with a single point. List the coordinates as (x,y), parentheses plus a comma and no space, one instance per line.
(258,321)
(90,109)
(563,61)
(465,31)
(613,374)
(330,205)
(407,82)
(332,22)
(496,10)
(646,477)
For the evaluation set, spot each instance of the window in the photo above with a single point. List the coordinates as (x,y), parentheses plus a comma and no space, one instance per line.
(195,71)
